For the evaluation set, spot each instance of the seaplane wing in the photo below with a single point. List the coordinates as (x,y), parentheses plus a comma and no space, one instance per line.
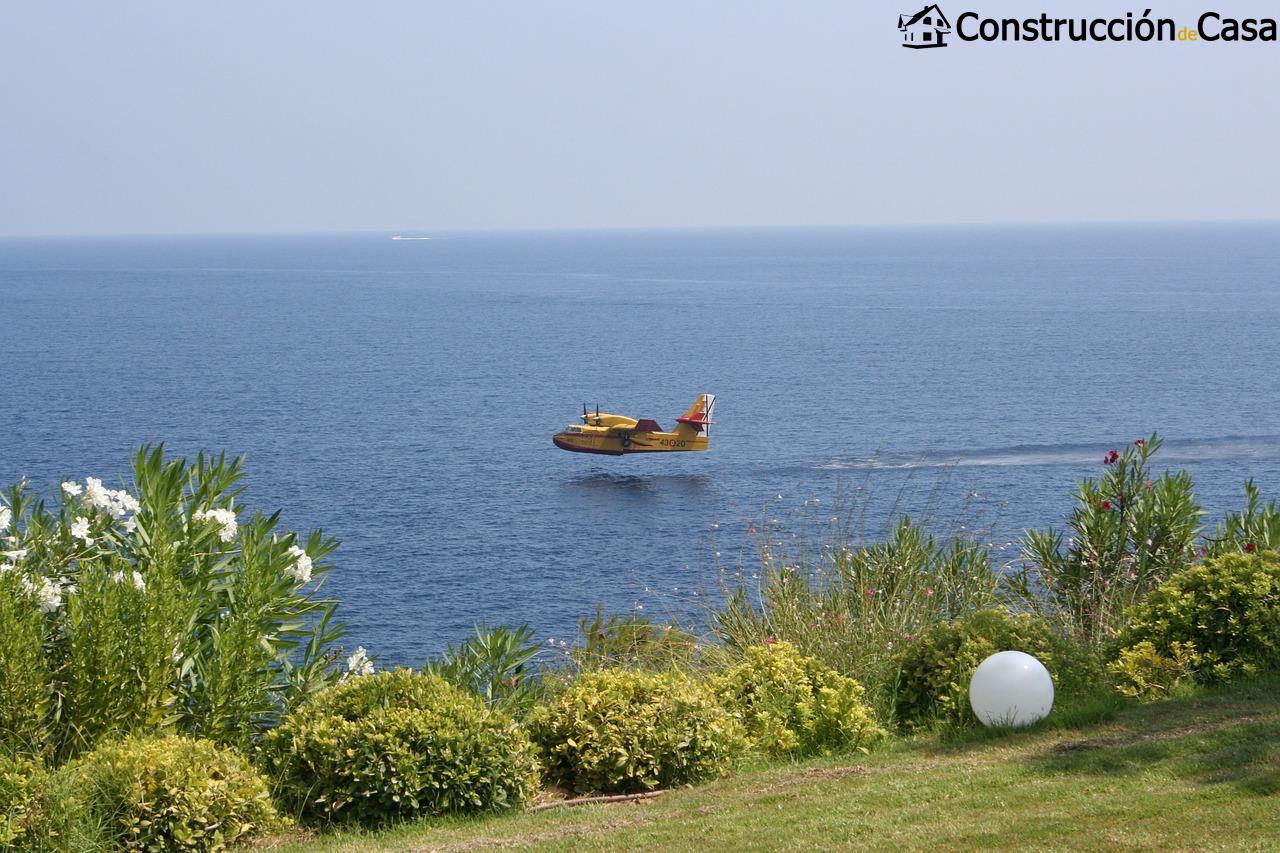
(642,425)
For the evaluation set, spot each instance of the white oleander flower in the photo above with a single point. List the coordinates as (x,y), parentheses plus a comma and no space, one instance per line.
(224,517)
(135,578)
(120,502)
(16,555)
(359,663)
(95,495)
(80,529)
(48,594)
(6,516)
(127,501)
(130,524)
(72,488)
(300,571)
(7,567)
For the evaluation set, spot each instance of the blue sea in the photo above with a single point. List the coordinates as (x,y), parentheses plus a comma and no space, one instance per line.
(402,394)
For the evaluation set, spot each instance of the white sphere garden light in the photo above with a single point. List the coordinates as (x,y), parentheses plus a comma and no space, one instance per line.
(1011,689)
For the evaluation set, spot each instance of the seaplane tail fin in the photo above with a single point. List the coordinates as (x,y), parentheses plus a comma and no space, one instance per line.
(699,415)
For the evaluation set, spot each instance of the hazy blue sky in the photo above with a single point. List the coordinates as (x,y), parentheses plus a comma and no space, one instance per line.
(295,116)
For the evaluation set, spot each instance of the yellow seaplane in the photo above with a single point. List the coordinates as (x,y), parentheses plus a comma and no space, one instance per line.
(615,435)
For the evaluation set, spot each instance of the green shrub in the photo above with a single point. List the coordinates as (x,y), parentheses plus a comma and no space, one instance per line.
(1255,528)
(496,664)
(935,668)
(793,705)
(117,676)
(26,684)
(1143,672)
(395,745)
(153,607)
(631,641)
(173,793)
(625,731)
(41,811)
(1226,608)
(851,604)
(1129,531)
(22,814)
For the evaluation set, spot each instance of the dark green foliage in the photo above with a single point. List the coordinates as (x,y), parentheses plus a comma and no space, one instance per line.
(396,745)
(26,684)
(935,668)
(172,793)
(1226,609)
(117,674)
(496,664)
(793,705)
(1255,529)
(624,731)
(1128,532)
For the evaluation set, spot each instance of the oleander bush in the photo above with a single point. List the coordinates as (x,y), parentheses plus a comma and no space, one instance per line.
(172,793)
(155,607)
(934,669)
(381,748)
(627,731)
(496,664)
(1222,615)
(793,705)
(1129,531)
(1253,529)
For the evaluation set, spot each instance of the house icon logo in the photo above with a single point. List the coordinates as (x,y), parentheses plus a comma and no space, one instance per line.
(926,28)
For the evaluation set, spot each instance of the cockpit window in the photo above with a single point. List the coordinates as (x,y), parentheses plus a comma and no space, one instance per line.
(573,429)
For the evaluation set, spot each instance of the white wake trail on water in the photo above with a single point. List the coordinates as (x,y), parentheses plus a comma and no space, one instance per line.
(1172,452)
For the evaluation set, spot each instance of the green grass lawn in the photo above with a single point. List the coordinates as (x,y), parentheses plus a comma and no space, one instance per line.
(1198,773)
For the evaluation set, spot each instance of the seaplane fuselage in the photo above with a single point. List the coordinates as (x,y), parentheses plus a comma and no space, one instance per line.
(615,435)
